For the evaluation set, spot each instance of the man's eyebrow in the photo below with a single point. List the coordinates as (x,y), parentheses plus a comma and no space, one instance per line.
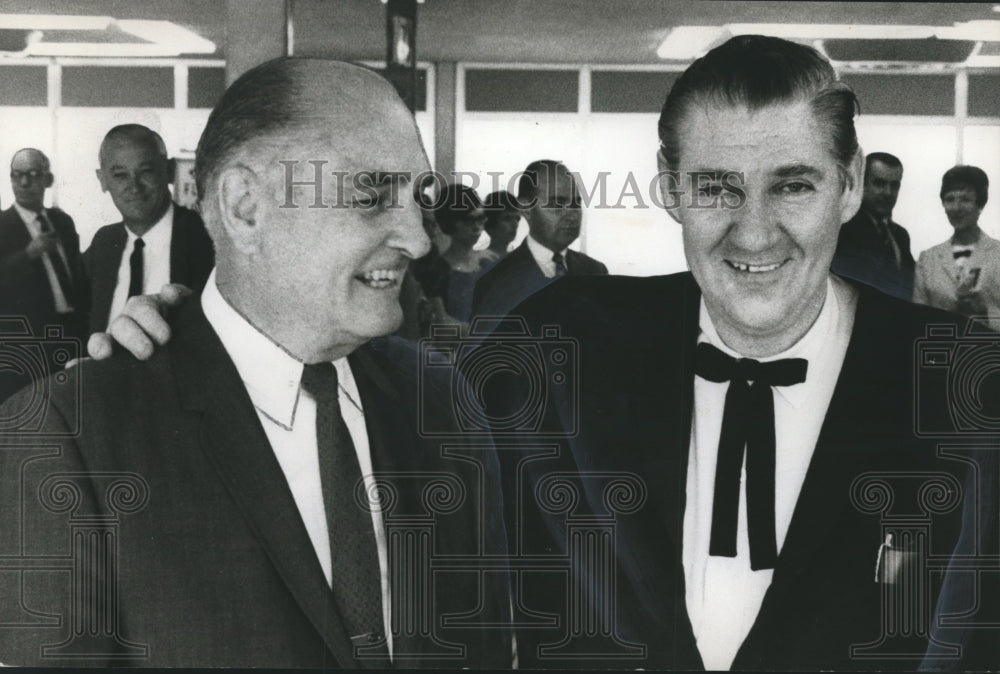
(798,171)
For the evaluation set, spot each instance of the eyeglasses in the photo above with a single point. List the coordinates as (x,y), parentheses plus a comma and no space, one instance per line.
(34,174)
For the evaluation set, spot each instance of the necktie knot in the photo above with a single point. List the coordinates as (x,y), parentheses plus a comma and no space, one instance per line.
(139,244)
(714,365)
(43,222)
(320,380)
(560,260)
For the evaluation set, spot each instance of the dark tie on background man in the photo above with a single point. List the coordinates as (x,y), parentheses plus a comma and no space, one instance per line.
(136,269)
(561,269)
(747,421)
(357,585)
(58,264)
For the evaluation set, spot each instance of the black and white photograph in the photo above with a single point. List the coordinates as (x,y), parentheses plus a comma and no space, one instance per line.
(500,334)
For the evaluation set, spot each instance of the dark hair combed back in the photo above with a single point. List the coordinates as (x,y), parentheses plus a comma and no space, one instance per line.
(455,202)
(527,185)
(972,177)
(883,157)
(262,101)
(755,71)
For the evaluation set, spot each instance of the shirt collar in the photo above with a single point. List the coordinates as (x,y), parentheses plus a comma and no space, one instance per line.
(27,216)
(542,254)
(271,374)
(157,236)
(811,346)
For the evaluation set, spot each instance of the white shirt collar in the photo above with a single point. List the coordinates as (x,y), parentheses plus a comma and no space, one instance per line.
(271,374)
(542,254)
(27,216)
(157,236)
(810,347)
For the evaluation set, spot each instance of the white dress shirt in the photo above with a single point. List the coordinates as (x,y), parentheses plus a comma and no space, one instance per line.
(272,377)
(155,262)
(543,257)
(723,594)
(30,219)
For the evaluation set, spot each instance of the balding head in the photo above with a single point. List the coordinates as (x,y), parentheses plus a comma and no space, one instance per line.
(132,134)
(306,174)
(135,170)
(289,96)
(30,177)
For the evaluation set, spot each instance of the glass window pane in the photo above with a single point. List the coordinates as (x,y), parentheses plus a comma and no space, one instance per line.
(903,94)
(24,85)
(629,91)
(521,90)
(117,87)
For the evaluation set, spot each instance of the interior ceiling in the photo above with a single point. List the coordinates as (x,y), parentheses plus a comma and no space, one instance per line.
(523,31)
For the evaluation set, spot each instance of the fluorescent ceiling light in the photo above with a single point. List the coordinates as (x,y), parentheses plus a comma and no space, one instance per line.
(168,33)
(689,42)
(832,31)
(162,38)
(53,22)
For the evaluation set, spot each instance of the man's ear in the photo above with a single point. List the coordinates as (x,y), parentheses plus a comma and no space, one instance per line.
(850,200)
(49,179)
(668,192)
(100,178)
(239,206)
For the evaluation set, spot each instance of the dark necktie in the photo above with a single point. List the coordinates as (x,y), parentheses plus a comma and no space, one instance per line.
(357,586)
(135,264)
(58,265)
(561,269)
(747,420)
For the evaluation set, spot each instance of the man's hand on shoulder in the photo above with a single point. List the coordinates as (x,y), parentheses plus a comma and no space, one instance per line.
(141,326)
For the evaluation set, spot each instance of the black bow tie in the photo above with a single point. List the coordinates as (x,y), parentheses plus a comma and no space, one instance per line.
(962,253)
(747,421)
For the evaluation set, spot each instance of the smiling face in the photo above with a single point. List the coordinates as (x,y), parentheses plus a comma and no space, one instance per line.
(323,281)
(135,172)
(763,267)
(961,208)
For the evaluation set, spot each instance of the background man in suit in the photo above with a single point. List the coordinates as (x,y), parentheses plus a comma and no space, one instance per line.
(251,432)
(157,242)
(751,408)
(550,201)
(872,248)
(41,273)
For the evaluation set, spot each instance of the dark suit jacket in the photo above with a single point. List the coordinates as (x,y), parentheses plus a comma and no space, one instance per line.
(213,563)
(192,257)
(24,286)
(863,255)
(627,412)
(517,277)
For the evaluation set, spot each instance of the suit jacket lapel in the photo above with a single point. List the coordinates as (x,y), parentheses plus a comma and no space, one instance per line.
(103,268)
(669,461)
(235,442)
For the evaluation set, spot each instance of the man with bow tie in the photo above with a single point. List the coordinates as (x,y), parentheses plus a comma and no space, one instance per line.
(777,414)
(759,443)
(872,247)
(41,272)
